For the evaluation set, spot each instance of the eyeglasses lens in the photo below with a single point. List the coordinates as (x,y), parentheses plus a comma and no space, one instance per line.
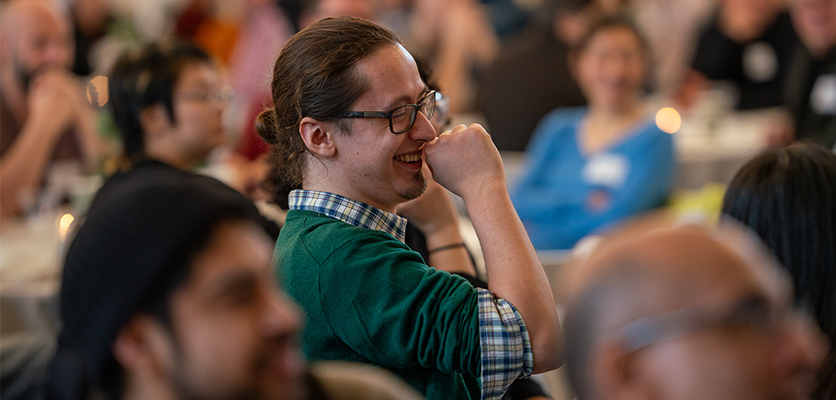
(404,117)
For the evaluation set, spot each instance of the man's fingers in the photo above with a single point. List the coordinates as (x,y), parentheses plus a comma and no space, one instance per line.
(459,128)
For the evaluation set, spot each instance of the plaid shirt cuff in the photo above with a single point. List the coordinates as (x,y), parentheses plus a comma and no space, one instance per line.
(506,347)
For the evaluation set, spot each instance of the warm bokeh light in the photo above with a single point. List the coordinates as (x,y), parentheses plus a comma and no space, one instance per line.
(668,120)
(64,223)
(97,91)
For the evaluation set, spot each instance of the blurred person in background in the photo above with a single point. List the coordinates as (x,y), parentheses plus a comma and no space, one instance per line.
(315,10)
(750,44)
(788,197)
(250,146)
(262,31)
(168,103)
(811,87)
(167,293)
(91,20)
(44,114)
(531,75)
(665,313)
(244,38)
(671,28)
(458,41)
(588,168)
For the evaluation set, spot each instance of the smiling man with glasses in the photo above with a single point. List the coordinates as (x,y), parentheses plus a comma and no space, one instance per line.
(351,127)
(686,313)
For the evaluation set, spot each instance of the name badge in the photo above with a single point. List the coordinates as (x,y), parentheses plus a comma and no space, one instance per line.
(823,96)
(608,170)
(760,62)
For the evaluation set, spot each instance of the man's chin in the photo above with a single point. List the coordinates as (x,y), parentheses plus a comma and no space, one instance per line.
(415,189)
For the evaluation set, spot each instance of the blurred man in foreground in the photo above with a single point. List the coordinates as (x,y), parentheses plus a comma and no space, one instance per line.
(685,313)
(167,294)
(44,115)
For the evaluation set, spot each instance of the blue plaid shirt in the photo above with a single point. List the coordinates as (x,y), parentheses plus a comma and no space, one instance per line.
(505,344)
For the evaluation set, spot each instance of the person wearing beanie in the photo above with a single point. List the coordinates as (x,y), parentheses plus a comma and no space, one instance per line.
(167,293)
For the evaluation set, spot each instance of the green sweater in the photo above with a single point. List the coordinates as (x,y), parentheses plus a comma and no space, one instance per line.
(369,298)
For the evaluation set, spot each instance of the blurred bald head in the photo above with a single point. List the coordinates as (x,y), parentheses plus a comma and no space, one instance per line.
(36,36)
(681,313)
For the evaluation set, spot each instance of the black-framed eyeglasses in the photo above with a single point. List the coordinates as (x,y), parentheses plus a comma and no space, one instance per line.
(402,118)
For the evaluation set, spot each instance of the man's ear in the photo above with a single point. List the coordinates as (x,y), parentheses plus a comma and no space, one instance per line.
(618,374)
(318,136)
(144,347)
(154,120)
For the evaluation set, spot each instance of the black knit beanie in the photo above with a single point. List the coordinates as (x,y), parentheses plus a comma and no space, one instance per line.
(130,245)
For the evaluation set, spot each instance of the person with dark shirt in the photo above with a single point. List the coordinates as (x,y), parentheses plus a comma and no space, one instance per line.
(751,45)
(531,75)
(811,87)
(168,105)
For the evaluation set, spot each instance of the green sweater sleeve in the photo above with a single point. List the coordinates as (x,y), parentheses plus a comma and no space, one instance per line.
(376,296)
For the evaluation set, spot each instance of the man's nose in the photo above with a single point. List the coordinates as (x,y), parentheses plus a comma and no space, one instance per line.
(423,129)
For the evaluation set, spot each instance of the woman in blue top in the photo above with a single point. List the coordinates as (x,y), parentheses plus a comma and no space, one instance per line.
(590,167)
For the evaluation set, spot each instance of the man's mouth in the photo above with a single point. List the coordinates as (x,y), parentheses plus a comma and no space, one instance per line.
(409,158)
(281,360)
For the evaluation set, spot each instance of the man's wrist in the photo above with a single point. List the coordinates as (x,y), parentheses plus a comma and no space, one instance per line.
(451,246)
(442,237)
(491,192)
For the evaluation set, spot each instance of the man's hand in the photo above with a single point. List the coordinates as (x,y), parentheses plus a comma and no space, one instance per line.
(56,98)
(465,161)
(56,102)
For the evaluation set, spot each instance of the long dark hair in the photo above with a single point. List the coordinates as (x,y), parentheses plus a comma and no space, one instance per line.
(788,197)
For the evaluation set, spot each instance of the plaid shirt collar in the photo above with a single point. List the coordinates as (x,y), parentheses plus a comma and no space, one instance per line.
(349,211)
